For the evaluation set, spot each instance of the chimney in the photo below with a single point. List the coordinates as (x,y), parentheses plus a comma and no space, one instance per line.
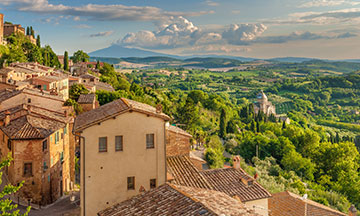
(7,118)
(352,211)
(236,162)
(158,108)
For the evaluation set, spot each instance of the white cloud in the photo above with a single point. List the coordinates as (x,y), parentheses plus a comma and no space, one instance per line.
(211,3)
(102,34)
(83,26)
(241,34)
(98,11)
(327,3)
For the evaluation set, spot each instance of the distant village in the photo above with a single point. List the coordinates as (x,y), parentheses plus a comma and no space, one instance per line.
(130,159)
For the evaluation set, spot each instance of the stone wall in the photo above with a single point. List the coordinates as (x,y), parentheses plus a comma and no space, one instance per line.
(177,143)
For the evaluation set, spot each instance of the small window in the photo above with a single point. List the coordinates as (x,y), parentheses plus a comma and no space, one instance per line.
(57,137)
(65,130)
(9,144)
(62,156)
(152,183)
(131,183)
(62,135)
(45,166)
(28,169)
(45,142)
(150,141)
(29,100)
(103,144)
(118,143)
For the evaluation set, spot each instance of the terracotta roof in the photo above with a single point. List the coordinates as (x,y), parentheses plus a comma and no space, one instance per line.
(314,208)
(49,79)
(112,109)
(103,86)
(174,200)
(229,181)
(87,76)
(185,173)
(178,130)
(6,70)
(8,93)
(87,99)
(31,127)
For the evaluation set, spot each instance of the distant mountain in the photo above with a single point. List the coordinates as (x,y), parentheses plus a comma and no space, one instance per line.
(117,51)
(291,59)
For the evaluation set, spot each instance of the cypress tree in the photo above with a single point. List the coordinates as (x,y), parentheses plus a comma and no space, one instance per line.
(98,64)
(66,61)
(38,41)
(284,125)
(222,123)
(27,30)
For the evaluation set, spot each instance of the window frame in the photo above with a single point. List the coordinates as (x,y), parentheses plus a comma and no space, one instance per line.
(106,147)
(153,183)
(26,174)
(147,141)
(122,143)
(45,141)
(131,183)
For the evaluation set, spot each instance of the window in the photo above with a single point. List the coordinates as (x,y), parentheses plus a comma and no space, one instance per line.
(44,87)
(62,157)
(56,137)
(44,145)
(29,100)
(103,144)
(131,183)
(152,183)
(45,166)
(150,141)
(118,143)
(9,144)
(28,169)
(65,130)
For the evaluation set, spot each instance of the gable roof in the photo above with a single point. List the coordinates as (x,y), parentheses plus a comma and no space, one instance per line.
(8,93)
(31,127)
(113,109)
(177,200)
(185,173)
(87,99)
(292,204)
(178,130)
(228,180)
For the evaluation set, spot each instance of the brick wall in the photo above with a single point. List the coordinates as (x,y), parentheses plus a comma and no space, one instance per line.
(177,144)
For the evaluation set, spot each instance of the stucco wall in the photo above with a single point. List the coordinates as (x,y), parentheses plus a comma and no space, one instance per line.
(106,173)
(260,206)
(55,105)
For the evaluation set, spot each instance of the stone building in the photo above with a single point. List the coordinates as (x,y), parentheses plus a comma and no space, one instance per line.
(264,105)
(39,141)
(10,29)
(122,152)
(57,84)
(88,102)
(177,141)
(1,28)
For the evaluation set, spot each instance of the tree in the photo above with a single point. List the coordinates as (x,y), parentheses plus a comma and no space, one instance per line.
(98,65)
(27,30)
(80,56)
(222,132)
(188,114)
(66,61)
(38,41)
(6,206)
(76,90)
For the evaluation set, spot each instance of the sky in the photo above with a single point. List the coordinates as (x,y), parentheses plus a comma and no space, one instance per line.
(326,29)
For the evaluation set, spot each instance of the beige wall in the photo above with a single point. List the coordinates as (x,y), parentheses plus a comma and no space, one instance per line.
(106,173)
(22,98)
(260,206)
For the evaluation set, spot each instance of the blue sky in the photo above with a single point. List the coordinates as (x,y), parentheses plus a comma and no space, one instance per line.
(250,28)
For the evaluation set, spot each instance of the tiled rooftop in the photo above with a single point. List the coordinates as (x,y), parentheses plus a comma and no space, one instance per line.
(112,109)
(185,173)
(31,127)
(176,200)
(8,93)
(229,181)
(103,86)
(178,130)
(87,98)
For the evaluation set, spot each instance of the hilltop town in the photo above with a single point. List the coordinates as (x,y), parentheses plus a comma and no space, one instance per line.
(82,138)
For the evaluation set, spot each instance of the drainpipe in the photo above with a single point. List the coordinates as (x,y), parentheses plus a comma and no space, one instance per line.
(82,155)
